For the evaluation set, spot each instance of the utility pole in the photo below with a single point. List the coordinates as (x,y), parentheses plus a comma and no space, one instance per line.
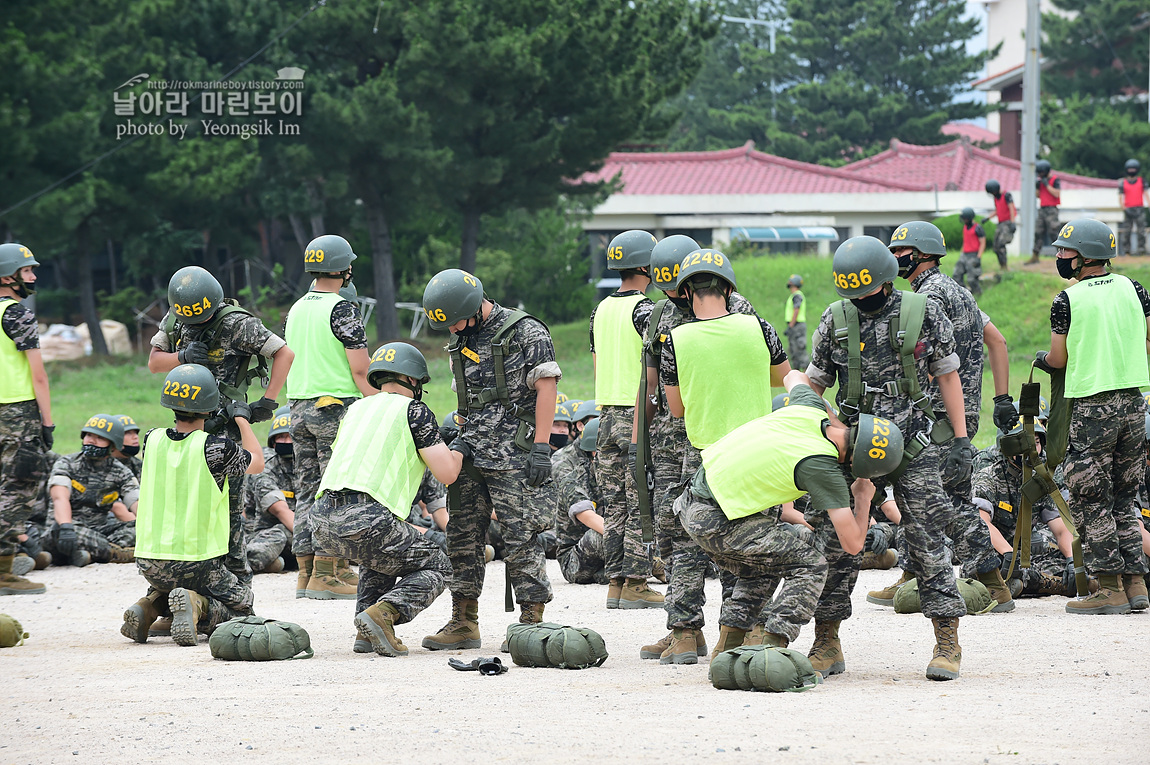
(1031,85)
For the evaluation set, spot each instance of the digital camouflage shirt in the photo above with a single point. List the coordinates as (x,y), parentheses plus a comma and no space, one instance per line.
(574,474)
(934,355)
(490,431)
(958,305)
(95,485)
(263,490)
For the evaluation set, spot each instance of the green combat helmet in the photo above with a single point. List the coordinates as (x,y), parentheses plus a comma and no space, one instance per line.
(105,426)
(191,388)
(561,397)
(925,238)
(562,413)
(1042,167)
(666,257)
(795,281)
(590,436)
(703,262)
(13,257)
(993,187)
(1092,239)
(392,360)
(631,249)
(583,410)
(328,254)
(875,446)
(779,401)
(967,214)
(194,295)
(861,265)
(452,421)
(281,423)
(452,296)
(127,423)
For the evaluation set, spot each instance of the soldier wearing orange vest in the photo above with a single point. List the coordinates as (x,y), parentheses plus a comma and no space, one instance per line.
(1049,187)
(1133,193)
(973,245)
(1006,212)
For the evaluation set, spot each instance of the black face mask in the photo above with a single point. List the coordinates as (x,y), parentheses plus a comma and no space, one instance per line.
(471,330)
(559,440)
(1066,267)
(682,303)
(131,451)
(284,450)
(871,303)
(93,452)
(1132,172)
(905,265)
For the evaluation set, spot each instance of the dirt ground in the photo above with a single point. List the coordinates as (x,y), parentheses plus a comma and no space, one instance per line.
(1037,686)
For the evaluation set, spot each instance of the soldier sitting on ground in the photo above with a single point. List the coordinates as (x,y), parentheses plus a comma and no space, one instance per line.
(93,500)
(269,501)
(127,453)
(578,525)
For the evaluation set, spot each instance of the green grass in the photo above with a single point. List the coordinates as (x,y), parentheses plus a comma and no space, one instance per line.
(1019,306)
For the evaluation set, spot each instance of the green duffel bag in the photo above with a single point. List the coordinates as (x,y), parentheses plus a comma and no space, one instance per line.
(11,633)
(763,668)
(978,598)
(252,638)
(555,645)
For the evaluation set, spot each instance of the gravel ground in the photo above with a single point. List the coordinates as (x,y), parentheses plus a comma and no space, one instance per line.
(1037,686)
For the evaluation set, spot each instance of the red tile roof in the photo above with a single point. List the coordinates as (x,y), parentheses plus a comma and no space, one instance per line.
(973,132)
(954,166)
(735,171)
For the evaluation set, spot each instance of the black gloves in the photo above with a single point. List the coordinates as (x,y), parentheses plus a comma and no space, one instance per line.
(461,446)
(236,409)
(876,540)
(447,434)
(984,220)
(1005,416)
(538,464)
(483,665)
(263,410)
(195,352)
(957,467)
(66,540)
(47,435)
(1040,362)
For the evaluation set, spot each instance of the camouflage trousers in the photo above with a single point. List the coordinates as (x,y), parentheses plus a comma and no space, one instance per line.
(313,431)
(968,272)
(1003,235)
(22,469)
(1045,228)
(842,571)
(1104,467)
(397,565)
(265,545)
(964,528)
(757,550)
(582,563)
(685,561)
(623,549)
(237,558)
(96,540)
(925,511)
(523,513)
(1132,231)
(797,345)
(227,596)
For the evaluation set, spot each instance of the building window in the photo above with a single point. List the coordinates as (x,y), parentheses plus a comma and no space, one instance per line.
(882,233)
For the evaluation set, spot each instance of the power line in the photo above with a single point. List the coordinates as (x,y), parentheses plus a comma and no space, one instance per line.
(133,139)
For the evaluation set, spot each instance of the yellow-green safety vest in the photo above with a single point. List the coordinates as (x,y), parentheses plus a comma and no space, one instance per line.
(182,513)
(802,319)
(374,453)
(15,371)
(753,467)
(1106,345)
(618,351)
(321,367)
(724,370)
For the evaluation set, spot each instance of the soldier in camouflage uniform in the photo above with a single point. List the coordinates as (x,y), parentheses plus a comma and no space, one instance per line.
(1102,346)
(269,500)
(674,460)
(25,412)
(182,544)
(765,463)
(795,321)
(94,500)
(377,463)
(918,246)
(579,527)
(127,454)
(616,330)
(864,271)
(202,327)
(508,404)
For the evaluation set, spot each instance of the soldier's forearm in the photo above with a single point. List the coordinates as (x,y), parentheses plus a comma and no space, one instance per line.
(546,390)
(281,363)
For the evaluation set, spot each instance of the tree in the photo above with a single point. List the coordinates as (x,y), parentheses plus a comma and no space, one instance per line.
(528,95)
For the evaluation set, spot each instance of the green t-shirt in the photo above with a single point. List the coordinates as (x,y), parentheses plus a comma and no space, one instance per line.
(820,476)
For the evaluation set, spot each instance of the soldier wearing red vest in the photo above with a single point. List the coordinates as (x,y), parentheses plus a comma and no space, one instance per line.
(1006,213)
(973,245)
(1049,187)
(1133,193)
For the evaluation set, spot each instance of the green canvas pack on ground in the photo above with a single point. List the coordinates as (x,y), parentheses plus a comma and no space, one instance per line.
(978,598)
(554,645)
(11,633)
(252,638)
(763,668)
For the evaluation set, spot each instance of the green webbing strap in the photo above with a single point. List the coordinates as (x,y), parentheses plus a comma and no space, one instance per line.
(235,389)
(454,352)
(846,327)
(500,345)
(904,341)
(643,436)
